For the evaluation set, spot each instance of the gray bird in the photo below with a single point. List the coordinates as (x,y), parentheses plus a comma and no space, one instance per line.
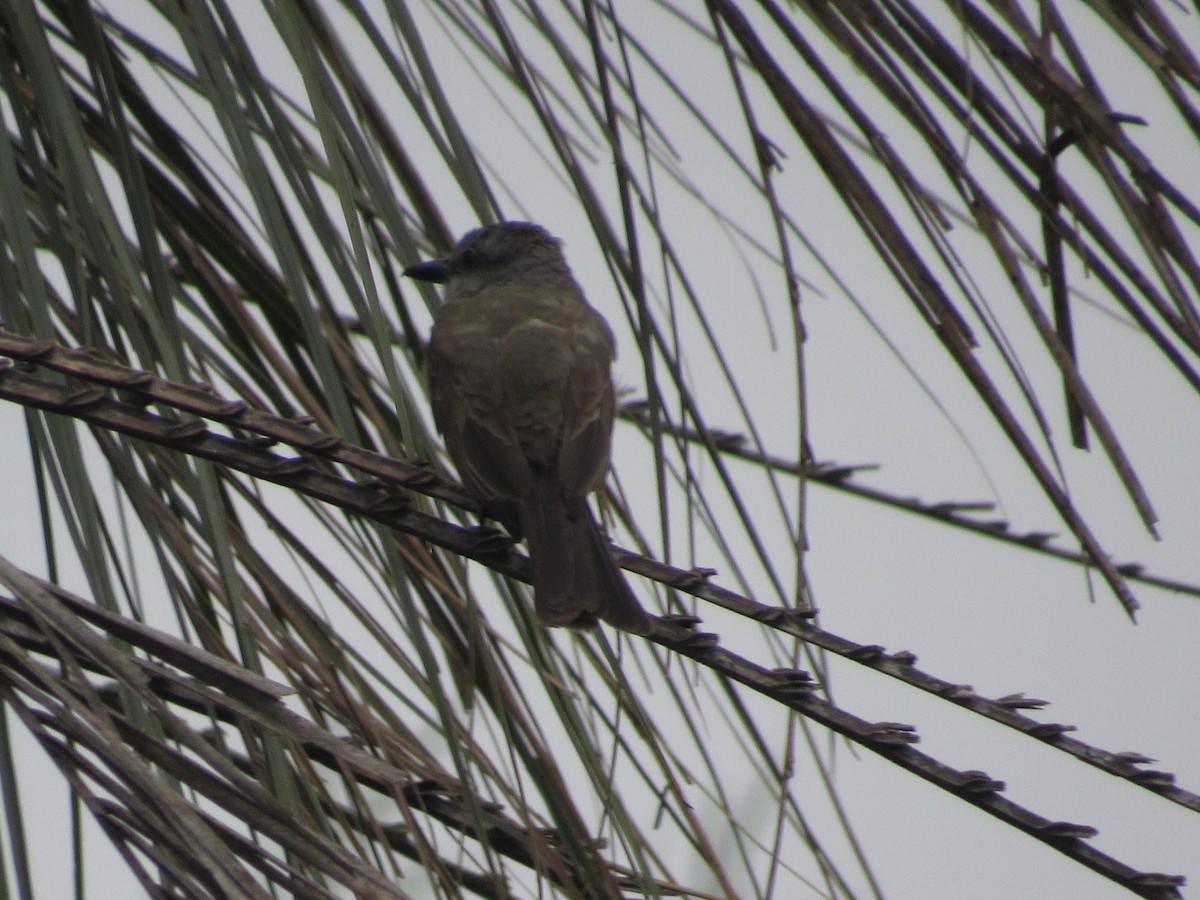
(519,372)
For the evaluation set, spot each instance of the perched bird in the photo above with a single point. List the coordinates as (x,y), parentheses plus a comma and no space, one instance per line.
(519,372)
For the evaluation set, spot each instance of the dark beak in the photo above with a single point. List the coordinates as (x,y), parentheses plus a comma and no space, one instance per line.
(434,270)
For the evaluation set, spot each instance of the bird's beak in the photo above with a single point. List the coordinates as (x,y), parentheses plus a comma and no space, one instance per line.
(434,270)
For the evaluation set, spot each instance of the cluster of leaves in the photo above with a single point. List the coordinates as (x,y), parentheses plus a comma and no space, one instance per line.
(286,674)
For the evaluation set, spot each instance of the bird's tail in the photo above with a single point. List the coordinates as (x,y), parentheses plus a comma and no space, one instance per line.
(576,580)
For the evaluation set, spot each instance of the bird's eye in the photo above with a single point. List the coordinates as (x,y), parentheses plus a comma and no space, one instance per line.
(481,256)
(488,247)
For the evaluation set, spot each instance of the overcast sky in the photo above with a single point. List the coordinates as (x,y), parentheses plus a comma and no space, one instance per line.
(973,610)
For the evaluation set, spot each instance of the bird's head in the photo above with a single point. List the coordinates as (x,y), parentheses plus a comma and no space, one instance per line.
(493,252)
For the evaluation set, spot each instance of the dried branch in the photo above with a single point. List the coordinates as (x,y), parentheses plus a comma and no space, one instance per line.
(493,549)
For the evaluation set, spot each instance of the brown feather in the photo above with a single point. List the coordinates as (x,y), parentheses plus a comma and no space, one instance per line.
(519,371)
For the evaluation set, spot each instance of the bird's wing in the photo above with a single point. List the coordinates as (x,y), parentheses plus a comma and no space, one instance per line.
(558,390)
(468,400)
(588,412)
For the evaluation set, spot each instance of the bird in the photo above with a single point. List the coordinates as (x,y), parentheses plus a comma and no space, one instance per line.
(520,382)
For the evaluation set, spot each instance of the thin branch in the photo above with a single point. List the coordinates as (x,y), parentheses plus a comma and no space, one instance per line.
(496,551)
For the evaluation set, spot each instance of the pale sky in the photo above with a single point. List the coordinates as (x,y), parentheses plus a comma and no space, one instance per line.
(973,610)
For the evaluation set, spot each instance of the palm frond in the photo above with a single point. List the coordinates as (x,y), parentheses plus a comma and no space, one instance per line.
(288,677)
